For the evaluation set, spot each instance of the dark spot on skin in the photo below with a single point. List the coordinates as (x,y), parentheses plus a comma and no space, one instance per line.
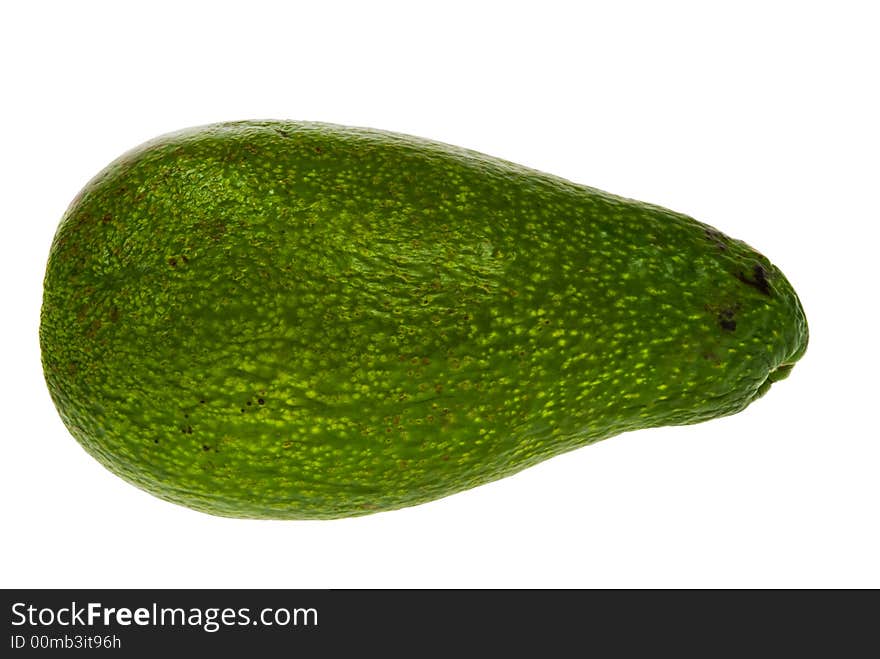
(172,262)
(185,260)
(728,309)
(760,275)
(260,401)
(758,280)
(202,402)
(726,316)
(242,409)
(186,416)
(716,237)
(155,441)
(205,447)
(248,403)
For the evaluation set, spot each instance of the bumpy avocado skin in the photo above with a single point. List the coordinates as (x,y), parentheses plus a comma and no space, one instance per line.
(299,320)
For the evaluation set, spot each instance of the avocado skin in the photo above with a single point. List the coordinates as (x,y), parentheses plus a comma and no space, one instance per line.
(291,320)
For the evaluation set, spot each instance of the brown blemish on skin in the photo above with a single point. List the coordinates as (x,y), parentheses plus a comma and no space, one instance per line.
(725,319)
(716,237)
(758,280)
(726,314)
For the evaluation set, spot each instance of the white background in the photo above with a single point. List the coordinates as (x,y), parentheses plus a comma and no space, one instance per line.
(761,119)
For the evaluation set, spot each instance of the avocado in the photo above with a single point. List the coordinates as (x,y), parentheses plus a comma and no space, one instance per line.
(294,320)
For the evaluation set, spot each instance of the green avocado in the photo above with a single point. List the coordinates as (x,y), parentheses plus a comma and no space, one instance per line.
(291,320)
